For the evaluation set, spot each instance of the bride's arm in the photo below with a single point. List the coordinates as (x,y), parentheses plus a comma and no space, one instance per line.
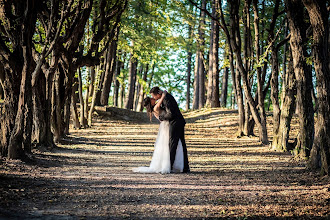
(161,100)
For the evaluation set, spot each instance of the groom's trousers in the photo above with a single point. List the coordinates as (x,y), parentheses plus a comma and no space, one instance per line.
(176,134)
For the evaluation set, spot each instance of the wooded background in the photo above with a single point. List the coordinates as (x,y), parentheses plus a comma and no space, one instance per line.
(60,59)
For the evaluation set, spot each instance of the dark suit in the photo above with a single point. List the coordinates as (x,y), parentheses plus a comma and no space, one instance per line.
(172,114)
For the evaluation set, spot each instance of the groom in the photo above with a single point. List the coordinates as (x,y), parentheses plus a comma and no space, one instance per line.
(173,115)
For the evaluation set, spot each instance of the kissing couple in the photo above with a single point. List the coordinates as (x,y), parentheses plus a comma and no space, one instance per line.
(170,152)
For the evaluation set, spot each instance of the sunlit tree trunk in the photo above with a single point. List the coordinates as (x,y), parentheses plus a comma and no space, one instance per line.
(83,120)
(199,76)
(75,116)
(2,78)
(282,127)
(131,83)
(110,68)
(142,89)
(319,17)
(260,79)
(236,45)
(189,64)
(20,135)
(213,73)
(224,88)
(116,83)
(295,13)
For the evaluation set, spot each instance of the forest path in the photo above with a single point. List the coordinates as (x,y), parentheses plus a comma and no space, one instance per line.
(90,177)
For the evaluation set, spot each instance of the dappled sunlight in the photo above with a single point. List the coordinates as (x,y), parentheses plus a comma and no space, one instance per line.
(230,177)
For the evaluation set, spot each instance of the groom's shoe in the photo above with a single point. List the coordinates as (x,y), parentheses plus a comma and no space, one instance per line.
(186,171)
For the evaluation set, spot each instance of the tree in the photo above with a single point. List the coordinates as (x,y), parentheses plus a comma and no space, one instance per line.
(213,73)
(16,123)
(109,70)
(319,18)
(199,76)
(303,75)
(224,88)
(131,82)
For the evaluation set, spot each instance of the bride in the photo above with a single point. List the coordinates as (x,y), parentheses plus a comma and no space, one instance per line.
(160,162)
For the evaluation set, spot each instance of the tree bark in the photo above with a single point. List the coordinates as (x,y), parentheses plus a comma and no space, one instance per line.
(83,120)
(189,64)
(131,83)
(110,68)
(213,73)
(116,82)
(236,45)
(201,69)
(260,79)
(319,16)
(199,76)
(142,89)
(75,116)
(196,83)
(137,88)
(20,137)
(224,88)
(240,103)
(295,13)
(282,129)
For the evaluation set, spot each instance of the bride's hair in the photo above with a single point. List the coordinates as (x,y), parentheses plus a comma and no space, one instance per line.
(149,107)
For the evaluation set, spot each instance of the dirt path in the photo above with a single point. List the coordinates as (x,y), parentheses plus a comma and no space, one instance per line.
(90,177)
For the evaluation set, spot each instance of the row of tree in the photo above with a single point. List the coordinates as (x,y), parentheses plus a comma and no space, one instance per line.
(260,55)
(42,45)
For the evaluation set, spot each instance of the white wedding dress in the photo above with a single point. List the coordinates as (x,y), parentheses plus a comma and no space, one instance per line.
(160,162)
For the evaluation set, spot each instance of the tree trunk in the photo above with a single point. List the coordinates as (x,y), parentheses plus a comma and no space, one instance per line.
(137,88)
(201,67)
(319,16)
(240,103)
(20,135)
(86,99)
(275,100)
(295,12)
(196,83)
(116,83)
(189,64)
(224,88)
(90,114)
(213,73)
(260,79)
(131,83)
(75,117)
(199,76)
(110,68)
(236,44)
(39,102)
(281,132)
(142,89)
(100,82)
(83,120)
(2,95)
(20,138)
(11,87)
(122,95)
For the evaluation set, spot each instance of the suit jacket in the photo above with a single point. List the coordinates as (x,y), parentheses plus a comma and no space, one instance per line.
(171,111)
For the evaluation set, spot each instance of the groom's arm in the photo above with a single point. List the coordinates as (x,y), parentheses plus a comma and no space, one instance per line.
(169,109)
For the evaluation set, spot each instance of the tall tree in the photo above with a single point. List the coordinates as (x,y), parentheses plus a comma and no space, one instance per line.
(131,82)
(199,76)
(224,88)
(213,73)
(109,71)
(303,75)
(319,18)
